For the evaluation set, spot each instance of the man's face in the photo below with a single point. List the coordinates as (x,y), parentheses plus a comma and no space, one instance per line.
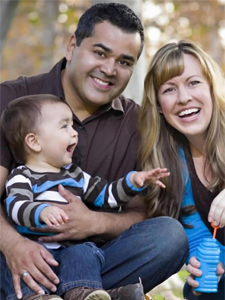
(99,69)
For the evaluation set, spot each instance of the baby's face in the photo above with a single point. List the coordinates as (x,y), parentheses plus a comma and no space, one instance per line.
(56,135)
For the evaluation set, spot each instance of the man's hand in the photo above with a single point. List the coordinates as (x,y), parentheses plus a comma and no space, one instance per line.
(78,226)
(84,223)
(29,256)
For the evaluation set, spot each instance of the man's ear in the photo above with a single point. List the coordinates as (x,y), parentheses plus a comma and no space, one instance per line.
(70,48)
(32,142)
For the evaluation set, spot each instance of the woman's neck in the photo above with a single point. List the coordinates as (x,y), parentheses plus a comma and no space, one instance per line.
(202,168)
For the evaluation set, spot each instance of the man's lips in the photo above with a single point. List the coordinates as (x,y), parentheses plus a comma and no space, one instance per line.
(101,83)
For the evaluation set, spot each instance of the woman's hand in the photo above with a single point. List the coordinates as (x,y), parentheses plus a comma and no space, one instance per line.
(217,210)
(193,269)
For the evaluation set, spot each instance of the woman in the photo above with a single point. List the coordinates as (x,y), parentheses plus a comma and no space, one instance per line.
(182,124)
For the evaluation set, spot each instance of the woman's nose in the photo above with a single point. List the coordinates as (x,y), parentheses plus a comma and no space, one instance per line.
(183,95)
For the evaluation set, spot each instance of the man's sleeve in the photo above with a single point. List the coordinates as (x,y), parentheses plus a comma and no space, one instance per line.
(7,94)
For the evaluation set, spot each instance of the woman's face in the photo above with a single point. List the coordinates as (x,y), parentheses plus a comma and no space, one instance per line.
(186,101)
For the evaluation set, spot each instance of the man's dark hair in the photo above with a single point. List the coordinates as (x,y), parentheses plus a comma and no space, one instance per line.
(117,14)
(20,117)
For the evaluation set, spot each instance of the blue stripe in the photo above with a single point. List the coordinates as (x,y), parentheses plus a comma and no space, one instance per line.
(37,214)
(49,184)
(99,201)
(130,185)
(26,230)
(8,202)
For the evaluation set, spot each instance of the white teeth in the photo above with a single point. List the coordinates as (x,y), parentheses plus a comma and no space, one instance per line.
(188,111)
(101,82)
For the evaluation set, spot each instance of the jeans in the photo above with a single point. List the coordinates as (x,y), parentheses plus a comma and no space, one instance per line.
(152,250)
(220,295)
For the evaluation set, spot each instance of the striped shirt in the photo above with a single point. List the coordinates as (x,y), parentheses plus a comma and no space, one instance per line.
(28,192)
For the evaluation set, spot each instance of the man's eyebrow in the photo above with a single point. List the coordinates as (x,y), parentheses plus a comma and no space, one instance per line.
(103,47)
(108,50)
(127,57)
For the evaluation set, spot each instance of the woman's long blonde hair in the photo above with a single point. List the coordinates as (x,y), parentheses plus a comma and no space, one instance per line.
(160,142)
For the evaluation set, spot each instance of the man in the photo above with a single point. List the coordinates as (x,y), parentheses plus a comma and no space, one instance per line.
(99,62)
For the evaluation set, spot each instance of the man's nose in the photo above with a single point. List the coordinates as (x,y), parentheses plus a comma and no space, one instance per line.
(108,67)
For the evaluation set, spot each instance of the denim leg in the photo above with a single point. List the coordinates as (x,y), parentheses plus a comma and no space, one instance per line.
(79,265)
(6,283)
(220,295)
(152,250)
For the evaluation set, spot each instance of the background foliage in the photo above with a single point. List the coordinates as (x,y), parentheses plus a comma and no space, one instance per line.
(34,33)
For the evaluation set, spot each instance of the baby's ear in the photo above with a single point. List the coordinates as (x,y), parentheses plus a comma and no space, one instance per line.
(32,142)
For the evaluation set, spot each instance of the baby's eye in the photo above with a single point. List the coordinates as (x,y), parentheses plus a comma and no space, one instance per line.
(65,126)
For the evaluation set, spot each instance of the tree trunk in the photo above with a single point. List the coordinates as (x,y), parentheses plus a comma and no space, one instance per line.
(49,11)
(7,12)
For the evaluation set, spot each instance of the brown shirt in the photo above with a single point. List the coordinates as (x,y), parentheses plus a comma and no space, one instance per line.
(108,140)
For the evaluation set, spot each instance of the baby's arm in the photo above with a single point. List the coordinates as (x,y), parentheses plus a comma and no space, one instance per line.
(53,215)
(139,179)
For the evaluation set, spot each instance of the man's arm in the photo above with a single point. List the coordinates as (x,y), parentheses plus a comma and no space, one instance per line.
(24,255)
(84,223)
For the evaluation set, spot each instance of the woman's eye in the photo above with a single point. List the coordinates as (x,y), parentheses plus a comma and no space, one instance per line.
(194,82)
(168,90)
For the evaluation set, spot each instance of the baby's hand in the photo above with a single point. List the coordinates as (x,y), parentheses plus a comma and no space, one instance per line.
(139,179)
(53,215)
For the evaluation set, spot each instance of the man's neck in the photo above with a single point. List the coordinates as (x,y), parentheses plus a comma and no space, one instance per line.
(79,108)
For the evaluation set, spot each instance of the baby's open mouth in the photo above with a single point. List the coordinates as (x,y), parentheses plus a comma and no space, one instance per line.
(70,148)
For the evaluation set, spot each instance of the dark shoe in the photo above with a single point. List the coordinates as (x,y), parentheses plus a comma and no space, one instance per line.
(128,292)
(84,293)
(42,297)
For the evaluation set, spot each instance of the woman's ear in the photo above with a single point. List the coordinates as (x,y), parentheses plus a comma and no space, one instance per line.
(70,48)
(32,142)
(160,109)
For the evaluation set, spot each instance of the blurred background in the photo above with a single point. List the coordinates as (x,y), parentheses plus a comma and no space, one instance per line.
(34,33)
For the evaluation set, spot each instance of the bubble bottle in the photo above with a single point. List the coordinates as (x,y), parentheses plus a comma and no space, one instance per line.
(208,254)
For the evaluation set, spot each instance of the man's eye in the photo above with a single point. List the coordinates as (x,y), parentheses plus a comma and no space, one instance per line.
(124,63)
(99,53)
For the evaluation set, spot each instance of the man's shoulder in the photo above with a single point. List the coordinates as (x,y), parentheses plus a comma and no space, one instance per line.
(22,86)
(127,102)
(128,106)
